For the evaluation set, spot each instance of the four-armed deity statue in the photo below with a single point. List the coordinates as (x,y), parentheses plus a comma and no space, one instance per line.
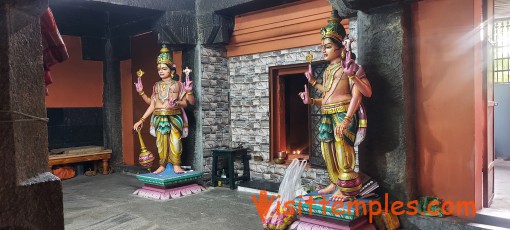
(169,124)
(343,122)
(166,105)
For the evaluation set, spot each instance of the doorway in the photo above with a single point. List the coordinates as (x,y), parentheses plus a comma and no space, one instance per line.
(290,118)
(293,125)
(501,74)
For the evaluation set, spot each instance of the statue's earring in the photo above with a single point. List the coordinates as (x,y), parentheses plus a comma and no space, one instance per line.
(342,55)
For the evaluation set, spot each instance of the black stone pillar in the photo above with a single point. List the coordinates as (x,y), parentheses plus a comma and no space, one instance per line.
(383,50)
(112,104)
(30,196)
(192,145)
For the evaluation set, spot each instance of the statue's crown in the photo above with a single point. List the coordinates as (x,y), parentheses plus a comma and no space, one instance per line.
(334,29)
(164,57)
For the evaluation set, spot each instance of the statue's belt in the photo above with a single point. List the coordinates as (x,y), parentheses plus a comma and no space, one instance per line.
(168,112)
(338,107)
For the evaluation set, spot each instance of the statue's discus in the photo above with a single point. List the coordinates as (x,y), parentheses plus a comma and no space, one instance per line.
(139,73)
(309,57)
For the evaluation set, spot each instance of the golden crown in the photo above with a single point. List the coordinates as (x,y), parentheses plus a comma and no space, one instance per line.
(331,33)
(164,57)
(333,29)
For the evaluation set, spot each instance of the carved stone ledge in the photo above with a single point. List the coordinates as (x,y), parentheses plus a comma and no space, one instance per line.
(177,28)
(363,4)
(215,29)
(343,10)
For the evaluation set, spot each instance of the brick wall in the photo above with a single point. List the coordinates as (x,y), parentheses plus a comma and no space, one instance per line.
(249,107)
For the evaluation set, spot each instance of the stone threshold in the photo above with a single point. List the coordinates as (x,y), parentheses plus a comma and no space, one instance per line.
(255,186)
(481,221)
(129,169)
(287,163)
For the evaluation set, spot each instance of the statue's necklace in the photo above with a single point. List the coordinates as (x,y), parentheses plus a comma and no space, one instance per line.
(329,75)
(164,90)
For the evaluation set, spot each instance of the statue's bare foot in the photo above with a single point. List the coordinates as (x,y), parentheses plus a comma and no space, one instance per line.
(338,196)
(327,190)
(159,170)
(178,169)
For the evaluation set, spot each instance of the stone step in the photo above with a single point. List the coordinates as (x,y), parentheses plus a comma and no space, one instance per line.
(259,185)
(493,217)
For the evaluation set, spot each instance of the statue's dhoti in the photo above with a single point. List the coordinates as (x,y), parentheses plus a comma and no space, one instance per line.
(338,150)
(168,125)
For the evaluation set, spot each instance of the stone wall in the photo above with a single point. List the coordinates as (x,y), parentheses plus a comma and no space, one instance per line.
(249,107)
(249,95)
(214,102)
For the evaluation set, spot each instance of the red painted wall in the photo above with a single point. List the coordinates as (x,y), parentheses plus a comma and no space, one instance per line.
(76,82)
(449,117)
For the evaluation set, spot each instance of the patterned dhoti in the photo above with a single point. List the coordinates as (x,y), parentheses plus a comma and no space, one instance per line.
(168,125)
(338,150)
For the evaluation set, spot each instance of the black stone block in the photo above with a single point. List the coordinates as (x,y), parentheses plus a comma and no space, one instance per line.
(367,4)
(56,116)
(387,154)
(73,127)
(261,185)
(83,116)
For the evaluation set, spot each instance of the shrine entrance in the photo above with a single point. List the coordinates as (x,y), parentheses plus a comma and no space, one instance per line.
(290,118)
(498,71)
(294,125)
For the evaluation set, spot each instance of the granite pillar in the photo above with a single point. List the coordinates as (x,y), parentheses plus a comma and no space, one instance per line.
(30,196)
(192,147)
(383,50)
(112,107)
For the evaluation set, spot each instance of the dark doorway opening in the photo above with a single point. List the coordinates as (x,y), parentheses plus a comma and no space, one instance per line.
(296,114)
(290,118)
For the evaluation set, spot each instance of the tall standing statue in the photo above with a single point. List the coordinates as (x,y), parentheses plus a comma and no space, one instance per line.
(167,102)
(344,84)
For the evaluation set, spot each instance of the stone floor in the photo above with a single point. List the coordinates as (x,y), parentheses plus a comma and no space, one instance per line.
(105,202)
(499,212)
(502,186)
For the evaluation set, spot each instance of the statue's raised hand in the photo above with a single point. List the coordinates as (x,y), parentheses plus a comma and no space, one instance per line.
(139,85)
(309,74)
(188,84)
(350,68)
(349,64)
(305,96)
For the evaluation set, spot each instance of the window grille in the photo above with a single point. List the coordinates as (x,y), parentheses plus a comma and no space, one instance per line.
(316,158)
(502,50)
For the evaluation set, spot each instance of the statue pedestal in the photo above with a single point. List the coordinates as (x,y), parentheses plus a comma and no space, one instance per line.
(339,217)
(310,223)
(168,184)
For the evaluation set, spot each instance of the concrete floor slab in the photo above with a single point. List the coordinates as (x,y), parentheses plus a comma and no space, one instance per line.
(106,202)
(501,200)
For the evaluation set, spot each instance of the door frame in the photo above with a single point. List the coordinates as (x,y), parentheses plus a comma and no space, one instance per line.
(275,74)
(488,93)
